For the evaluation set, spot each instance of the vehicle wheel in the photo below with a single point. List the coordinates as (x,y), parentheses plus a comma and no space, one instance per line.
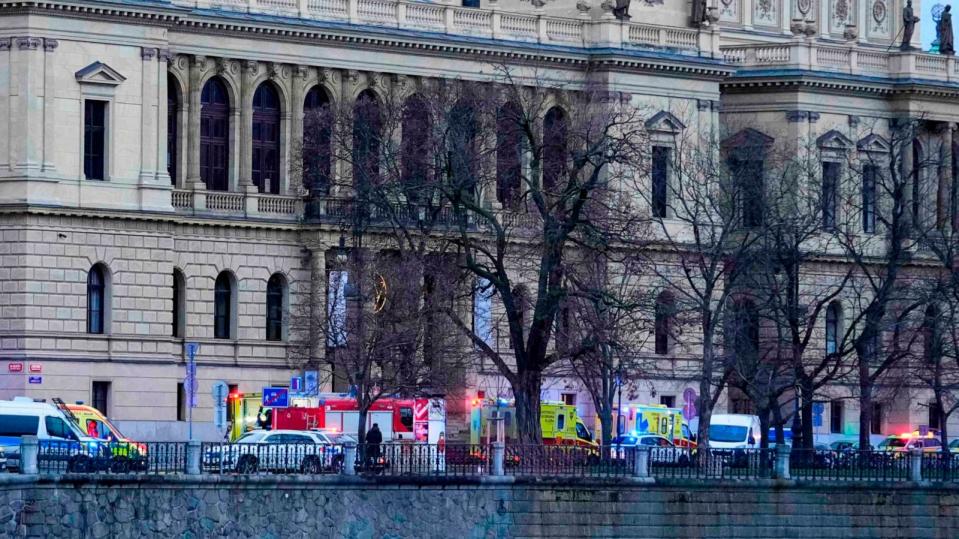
(310,465)
(683,460)
(337,465)
(592,460)
(80,464)
(119,465)
(246,465)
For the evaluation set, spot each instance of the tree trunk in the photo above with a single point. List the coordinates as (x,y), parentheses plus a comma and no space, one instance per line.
(865,404)
(704,402)
(778,423)
(361,435)
(606,423)
(526,391)
(808,394)
(763,426)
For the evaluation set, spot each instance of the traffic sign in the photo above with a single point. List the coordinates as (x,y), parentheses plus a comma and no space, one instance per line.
(190,383)
(689,404)
(191,349)
(311,382)
(220,392)
(296,383)
(276,397)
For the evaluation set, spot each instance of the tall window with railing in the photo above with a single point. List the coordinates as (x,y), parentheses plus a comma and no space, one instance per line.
(215,135)
(266,139)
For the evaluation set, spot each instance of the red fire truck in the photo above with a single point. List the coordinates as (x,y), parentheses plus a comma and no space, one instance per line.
(421,419)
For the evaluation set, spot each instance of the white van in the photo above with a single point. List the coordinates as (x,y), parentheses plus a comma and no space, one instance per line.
(24,417)
(734,431)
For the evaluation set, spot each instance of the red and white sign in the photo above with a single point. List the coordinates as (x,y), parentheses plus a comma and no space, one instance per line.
(14,367)
(36,367)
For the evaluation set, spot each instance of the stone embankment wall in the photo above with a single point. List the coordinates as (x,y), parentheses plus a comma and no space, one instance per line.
(338,507)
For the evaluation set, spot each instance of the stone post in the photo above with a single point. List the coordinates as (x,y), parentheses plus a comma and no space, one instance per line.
(29,455)
(193,457)
(349,458)
(915,464)
(782,462)
(499,454)
(641,462)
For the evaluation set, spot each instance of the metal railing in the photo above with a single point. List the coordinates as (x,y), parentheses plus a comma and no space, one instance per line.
(849,465)
(406,459)
(111,457)
(409,459)
(262,458)
(566,460)
(712,463)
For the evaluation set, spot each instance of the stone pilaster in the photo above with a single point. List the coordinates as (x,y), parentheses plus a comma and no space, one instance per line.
(245,143)
(49,107)
(26,104)
(148,115)
(193,123)
(162,164)
(944,192)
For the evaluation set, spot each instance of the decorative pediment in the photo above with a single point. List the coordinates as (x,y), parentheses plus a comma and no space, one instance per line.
(834,140)
(747,138)
(99,73)
(874,143)
(665,122)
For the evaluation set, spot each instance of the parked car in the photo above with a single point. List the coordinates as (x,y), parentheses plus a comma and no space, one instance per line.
(906,442)
(661,449)
(276,451)
(60,439)
(954,446)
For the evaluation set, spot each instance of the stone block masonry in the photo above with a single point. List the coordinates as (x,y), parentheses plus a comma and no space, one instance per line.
(342,507)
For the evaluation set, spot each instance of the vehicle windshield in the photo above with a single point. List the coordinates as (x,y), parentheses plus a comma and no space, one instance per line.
(727,433)
(954,443)
(894,442)
(251,437)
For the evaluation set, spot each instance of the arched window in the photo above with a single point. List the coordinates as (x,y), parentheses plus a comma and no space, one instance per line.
(463,128)
(179,303)
(665,310)
(832,328)
(172,113)
(266,139)
(509,153)
(215,135)
(224,300)
(367,133)
(275,295)
(416,151)
(555,135)
(96,299)
(317,140)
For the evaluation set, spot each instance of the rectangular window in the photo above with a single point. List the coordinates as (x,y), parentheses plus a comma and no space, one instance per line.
(569,399)
(483,311)
(660,176)
(669,401)
(835,417)
(748,175)
(876,423)
(934,414)
(181,402)
(830,189)
(101,397)
(94,139)
(869,175)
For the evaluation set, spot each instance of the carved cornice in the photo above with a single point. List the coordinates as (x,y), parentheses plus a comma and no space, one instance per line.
(27,43)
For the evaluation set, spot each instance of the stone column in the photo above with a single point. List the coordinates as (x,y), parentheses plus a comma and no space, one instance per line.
(193,122)
(26,105)
(294,170)
(318,282)
(148,116)
(162,164)
(49,107)
(245,144)
(944,193)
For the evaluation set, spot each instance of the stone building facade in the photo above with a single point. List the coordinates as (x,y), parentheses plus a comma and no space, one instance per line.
(118,154)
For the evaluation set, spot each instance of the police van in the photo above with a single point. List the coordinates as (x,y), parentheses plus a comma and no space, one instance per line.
(60,437)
